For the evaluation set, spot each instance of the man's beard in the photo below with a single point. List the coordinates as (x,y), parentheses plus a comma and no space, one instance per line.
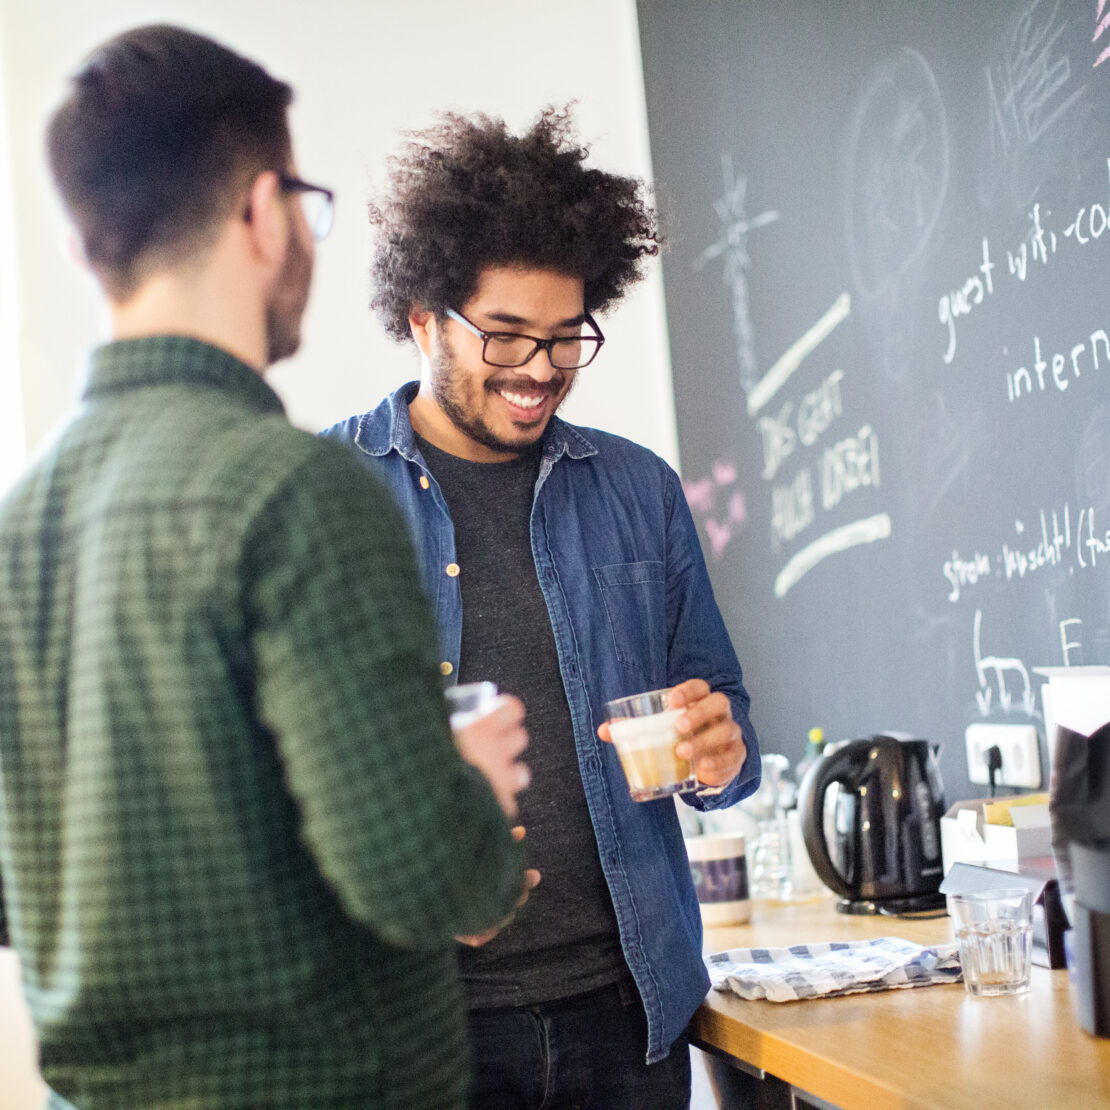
(286,305)
(448,388)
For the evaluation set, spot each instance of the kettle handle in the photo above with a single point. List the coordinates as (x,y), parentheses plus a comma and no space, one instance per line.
(838,766)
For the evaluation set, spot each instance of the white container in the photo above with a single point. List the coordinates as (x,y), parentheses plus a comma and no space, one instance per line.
(719,868)
(965,836)
(1075,697)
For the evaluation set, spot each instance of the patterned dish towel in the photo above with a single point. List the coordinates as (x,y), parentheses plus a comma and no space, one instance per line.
(829,970)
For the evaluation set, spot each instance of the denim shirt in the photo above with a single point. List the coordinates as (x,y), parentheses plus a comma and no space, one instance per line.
(621,570)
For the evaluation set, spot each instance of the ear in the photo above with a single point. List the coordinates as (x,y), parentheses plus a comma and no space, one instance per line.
(422,324)
(73,248)
(267,219)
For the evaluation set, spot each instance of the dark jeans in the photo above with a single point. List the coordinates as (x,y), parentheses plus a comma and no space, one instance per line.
(581,1053)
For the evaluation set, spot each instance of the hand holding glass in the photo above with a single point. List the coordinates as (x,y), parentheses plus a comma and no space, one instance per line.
(643,730)
(469,698)
(489,733)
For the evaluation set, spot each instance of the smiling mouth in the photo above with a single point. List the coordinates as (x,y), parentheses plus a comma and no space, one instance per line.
(527,401)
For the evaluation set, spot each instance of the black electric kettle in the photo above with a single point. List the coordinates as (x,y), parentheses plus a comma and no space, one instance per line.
(875,840)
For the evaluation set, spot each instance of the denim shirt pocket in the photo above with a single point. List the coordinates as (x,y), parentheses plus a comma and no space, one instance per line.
(634,597)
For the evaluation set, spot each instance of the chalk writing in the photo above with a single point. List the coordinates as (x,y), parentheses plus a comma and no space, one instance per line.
(962,572)
(848,465)
(1048,551)
(781,433)
(898,158)
(1102,19)
(777,435)
(1087,225)
(1036,105)
(733,246)
(1028,89)
(1037,246)
(1064,368)
(724,473)
(819,408)
(859,532)
(1095,542)
(960,302)
(792,508)
(1067,646)
(1003,671)
(701,496)
(791,359)
(1065,538)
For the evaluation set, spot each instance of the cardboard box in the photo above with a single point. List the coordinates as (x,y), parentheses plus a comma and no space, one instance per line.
(965,837)
(1038,876)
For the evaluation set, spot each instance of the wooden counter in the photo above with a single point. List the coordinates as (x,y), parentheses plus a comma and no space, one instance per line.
(926,1048)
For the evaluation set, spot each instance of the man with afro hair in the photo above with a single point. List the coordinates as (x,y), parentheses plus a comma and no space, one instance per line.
(563,565)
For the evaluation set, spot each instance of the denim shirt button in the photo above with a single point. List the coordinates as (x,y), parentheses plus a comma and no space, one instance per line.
(424,483)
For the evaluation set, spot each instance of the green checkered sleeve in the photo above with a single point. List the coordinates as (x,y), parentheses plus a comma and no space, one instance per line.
(408,834)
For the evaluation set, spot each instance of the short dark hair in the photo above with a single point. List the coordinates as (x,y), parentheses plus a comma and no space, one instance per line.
(159,131)
(467,194)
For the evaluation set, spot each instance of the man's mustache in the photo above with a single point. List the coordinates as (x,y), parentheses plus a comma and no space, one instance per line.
(528,387)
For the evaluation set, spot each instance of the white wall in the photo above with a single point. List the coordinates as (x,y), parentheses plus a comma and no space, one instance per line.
(363,72)
(12,440)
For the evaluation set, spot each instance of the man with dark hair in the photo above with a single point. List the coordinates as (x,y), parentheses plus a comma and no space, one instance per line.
(236,837)
(563,564)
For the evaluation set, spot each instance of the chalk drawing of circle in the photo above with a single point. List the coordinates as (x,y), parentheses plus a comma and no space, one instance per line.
(897,171)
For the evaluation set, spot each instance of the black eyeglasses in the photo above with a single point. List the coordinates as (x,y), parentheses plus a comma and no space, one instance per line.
(317,203)
(510,348)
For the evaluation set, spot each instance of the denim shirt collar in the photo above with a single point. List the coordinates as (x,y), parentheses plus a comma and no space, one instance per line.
(392,417)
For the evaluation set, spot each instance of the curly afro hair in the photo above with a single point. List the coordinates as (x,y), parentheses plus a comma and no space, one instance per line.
(467,194)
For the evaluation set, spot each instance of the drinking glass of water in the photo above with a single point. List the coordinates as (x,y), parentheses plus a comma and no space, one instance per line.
(995,933)
(771,868)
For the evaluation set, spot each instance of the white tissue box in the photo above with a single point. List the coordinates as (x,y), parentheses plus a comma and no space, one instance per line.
(965,837)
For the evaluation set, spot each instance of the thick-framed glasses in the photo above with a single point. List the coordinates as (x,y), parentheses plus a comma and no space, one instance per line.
(317,203)
(510,348)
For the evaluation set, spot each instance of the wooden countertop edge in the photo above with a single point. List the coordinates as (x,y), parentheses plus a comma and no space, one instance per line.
(818,1075)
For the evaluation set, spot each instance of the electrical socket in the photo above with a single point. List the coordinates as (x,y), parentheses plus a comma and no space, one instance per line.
(1021,759)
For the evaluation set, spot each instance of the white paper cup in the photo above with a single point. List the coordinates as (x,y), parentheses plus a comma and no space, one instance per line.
(719,868)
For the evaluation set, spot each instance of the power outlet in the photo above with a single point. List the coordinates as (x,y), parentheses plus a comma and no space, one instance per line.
(1021,759)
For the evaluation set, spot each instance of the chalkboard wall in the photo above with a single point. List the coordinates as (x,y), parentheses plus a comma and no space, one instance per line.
(888,295)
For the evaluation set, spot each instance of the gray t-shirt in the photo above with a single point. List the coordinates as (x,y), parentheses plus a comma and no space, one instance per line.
(564,940)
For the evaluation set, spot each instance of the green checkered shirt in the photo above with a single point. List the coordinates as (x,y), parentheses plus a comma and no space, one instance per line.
(235,838)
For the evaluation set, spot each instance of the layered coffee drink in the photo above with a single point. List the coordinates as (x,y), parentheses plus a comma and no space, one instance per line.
(646,747)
